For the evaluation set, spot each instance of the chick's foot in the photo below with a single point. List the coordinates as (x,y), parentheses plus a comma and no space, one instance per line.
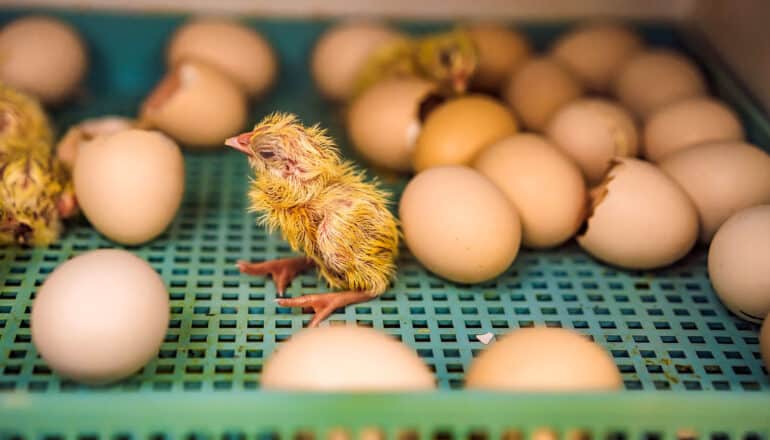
(283,270)
(324,304)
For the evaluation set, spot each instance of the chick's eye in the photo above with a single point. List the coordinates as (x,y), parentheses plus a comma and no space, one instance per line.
(266,154)
(445,57)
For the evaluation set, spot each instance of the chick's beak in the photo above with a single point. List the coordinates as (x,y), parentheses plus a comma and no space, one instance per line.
(240,143)
(460,82)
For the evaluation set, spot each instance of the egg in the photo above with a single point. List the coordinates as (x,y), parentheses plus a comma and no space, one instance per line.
(501,51)
(592,132)
(739,256)
(689,122)
(654,78)
(42,56)
(544,185)
(86,131)
(721,178)
(235,49)
(383,122)
(344,358)
(764,343)
(539,88)
(196,105)
(100,316)
(341,53)
(456,131)
(130,184)
(595,52)
(544,359)
(459,225)
(640,218)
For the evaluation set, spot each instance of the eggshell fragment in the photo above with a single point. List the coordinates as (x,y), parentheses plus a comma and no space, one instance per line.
(689,122)
(130,184)
(546,187)
(86,131)
(345,359)
(640,219)
(592,132)
(456,131)
(544,359)
(236,50)
(196,105)
(538,89)
(100,316)
(654,78)
(721,178)
(595,52)
(383,122)
(738,262)
(42,56)
(479,231)
(501,51)
(342,51)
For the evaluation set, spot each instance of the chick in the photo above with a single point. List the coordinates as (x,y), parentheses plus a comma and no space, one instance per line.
(36,192)
(449,58)
(324,208)
(23,124)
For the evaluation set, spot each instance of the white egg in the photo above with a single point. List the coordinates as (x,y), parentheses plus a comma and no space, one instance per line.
(100,316)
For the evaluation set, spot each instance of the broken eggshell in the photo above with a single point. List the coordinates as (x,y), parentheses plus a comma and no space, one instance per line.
(87,131)
(639,218)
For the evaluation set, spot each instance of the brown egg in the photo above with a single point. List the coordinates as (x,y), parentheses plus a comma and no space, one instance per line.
(689,122)
(342,51)
(42,56)
(383,122)
(592,132)
(721,178)
(595,52)
(86,131)
(654,78)
(544,359)
(456,131)
(501,51)
(459,225)
(196,105)
(235,49)
(640,219)
(539,88)
(546,187)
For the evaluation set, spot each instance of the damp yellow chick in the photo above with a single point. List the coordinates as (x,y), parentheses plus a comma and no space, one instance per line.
(23,124)
(324,208)
(449,59)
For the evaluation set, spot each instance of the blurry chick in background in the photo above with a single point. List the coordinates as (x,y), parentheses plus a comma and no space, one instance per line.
(449,59)
(23,124)
(324,209)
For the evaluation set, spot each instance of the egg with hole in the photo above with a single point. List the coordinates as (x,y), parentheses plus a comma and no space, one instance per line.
(455,132)
(459,225)
(639,218)
(544,359)
(196,105)
(345,358)
(233,48)
(341,52)
(689,122)
(593,131)
(721,178)
(539,89)
(42,56)
(100,316)
(501,51)
(654,78)
(130,184)
(86,131)
(544,185)
(595,52)
(383,122)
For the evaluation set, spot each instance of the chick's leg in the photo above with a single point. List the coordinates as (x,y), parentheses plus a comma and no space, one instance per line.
(282,270)
(324,304)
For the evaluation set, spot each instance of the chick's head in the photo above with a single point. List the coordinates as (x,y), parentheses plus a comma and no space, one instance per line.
(23,124)
(284,148)
(449,58)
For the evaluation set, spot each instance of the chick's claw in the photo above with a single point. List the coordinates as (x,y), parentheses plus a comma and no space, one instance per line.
(283,270)
(324,304)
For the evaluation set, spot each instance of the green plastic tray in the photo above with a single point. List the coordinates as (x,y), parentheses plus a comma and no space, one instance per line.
(686,362)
